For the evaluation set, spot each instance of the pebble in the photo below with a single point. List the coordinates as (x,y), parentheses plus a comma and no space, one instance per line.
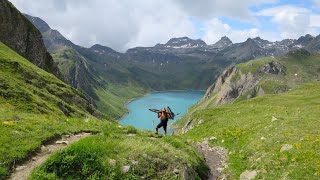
(273,119)
(247,175)
(176,171)
(125,168)
(145,155)
(20,168)
(286,147)
(134,162)
(212,138)
(62,142)
(112,162)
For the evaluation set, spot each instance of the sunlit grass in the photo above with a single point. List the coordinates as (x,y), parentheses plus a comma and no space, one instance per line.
(255,130)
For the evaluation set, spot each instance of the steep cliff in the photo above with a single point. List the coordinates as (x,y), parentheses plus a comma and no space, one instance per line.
(20,35)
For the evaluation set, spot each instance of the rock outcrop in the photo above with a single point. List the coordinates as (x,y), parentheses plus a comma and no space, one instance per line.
(274,68)
(231,85)
(19,34)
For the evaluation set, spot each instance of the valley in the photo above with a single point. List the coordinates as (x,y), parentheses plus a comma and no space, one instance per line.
(258,117)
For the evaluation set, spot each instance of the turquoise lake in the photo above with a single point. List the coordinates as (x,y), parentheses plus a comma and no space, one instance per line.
(140,117)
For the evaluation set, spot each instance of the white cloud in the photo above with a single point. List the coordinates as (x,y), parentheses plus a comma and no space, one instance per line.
(215,29)
(317,2)
(127,23)
(314,20)
(292,21)
(118,24)
(207,9)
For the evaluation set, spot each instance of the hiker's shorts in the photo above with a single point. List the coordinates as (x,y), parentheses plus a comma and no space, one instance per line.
(163,124)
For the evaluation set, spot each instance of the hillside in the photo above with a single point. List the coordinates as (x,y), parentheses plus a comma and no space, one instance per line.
(264,76)
(36,108)
(264,113)
(272,136)
(260,77)
(95,71)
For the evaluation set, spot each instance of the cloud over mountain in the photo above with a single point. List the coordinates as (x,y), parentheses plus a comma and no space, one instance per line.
(125,24)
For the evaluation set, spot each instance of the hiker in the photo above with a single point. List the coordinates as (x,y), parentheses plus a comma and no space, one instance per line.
(163,115)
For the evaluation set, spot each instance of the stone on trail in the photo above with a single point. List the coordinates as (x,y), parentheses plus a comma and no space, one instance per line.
(62,142)
(286,147)
(247,175)
(20,168)
(176,171)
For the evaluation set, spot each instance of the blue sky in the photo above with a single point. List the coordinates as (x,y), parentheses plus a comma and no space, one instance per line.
(278,20)
(123,24)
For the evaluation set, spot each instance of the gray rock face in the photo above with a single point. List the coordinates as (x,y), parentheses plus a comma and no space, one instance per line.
(222,43)
(20,35)
(274,68)
(184,42)
(42,26)
(227,89)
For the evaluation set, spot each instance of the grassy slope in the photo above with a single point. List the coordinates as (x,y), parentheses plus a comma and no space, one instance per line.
(29,112)
(245,126)
(103,85)
(300,68)
(29,115)
(241,128)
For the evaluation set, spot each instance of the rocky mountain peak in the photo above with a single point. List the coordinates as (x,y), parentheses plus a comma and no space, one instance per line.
(100,49)
(41,25)
(305,39)
(222,43)
(184,42)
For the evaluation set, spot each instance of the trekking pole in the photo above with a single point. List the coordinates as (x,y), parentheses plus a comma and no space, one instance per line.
(152,123)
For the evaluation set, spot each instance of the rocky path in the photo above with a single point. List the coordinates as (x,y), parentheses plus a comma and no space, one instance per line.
(24,170)
(215,158)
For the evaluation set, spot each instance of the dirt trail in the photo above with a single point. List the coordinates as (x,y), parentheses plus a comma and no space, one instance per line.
(24,170)
(215,158)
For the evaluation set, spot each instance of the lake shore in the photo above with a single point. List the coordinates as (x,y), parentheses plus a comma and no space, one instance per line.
(139,116)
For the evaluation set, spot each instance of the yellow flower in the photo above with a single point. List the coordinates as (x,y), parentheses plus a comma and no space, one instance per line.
(9,123)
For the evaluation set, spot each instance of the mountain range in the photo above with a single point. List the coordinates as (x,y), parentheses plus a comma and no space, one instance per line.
(181,63)
(258,119)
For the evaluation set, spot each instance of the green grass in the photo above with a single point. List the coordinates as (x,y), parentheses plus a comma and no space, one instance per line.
(113,98)
(148,158)
(242,126)
(35,107)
